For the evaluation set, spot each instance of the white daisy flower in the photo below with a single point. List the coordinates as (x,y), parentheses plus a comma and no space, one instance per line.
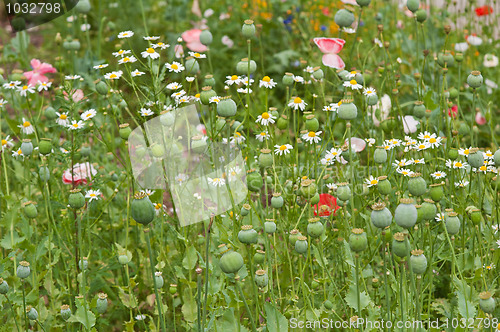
(353,85)
(489,267)
(6,143)
(25,89)
(148,192)
(438,175)
(495,228)
(89,114)
(43,86)
(369,92)
(439,217)
(93,195)
(265,119)
(462,183)
(309,69)
(3,102)
(262,136)
(282,149)
(17,153)
(237,138)
(402,163)
(422,146)
(464,152)
(181,178)
(297,103)
(114,75)
(161,45)
(267,82)
(214,99)
(26,127)
(178,94)
(404,171)
(150,53)
(371,181)
(189,79)
(418,161)
(298,79)
(197,55)
(72,77)
(149,38)
(125,34)
(146,112)
(104,65)
(137,72)
(127,59)
(244,90)
(370,141)
(331,186)
(488,155)
(455,164)
(351,74)
(12,85)
(234,79)
(312,137)
(76,125)
(175,67)
(174,86)
(121,53)
(62,119)
(216,182)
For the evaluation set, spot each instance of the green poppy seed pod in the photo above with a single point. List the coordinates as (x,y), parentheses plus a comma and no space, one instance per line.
(167,119)
(101,87)
(419,109)
(159,282)
(372,99)
(206,37)
(192,66)
(301,245)
(124,131)
(102,303)
(265,158)
(198,144)
(475,216)
(307,188)
(248,29)
(123,259)
(209,80)
(400,245)
(429,209)
(496,157)
(65,312)
(23,270)
(4,286)
(318,73)
(74,45)
(452,223)
(418,261)
(420,214)
(363,3)
(413,5)
(245,210)
(344,18)
(315,228)
(475,79)
(453,93)
(157,150)
(282,123)
(436,192)
(269,226)
(446,59)
(259,257)
(206,94)
(328,305)
(247,234)
(347,110)
(30,210)
(226,107)
(82,6)
(312,124)
(231,262)
(314,284)
(381,217)
(172,289)
(388,124)
(487,302)
(261,278)
(50,113)
(277,201)
(421,15)
(406,213)
(288,79)
(76,199)
(343,191)
(294,235)
(475,158)
(83,263)
(26,147)
(463,130)
(384,186)
(343,74)
(141,209)
(315,199)
(45,146)
(242,66)
(358,240)
(31,313)
(380,155)
(254,180)
(417,185)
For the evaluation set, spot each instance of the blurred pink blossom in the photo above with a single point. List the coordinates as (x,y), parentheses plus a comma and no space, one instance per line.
(192,39)
(227,41)
(330,47)
(37,75)
(357,144)
(81,173)
(77,95)
(179,51)
(480,119)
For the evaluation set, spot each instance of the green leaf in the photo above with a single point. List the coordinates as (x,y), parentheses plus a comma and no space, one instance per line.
(189,310)
(79,316)
(464,293)
(347,254)
(352,299)
(276,322)
(128,300)
(10,240)
(190,258)
(227,322)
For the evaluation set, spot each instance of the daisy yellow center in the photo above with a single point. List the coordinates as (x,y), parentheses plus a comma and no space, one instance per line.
(197,55)
(466,151)
(401,163)
(63,117)
(353,73)
(263,134)
(150,50)
(417,161)
(157,206)
(438,174)
(160,44)
(304,177)
(89,115)
(126,59)
(266,79)
(421,146)
(113,76)
(373,181)
(265,115)
(26,124)
(125,34)
(174,66)
(75,125)
(197,95)
(311,134)
(405,172)
(237,134)
(19,152)
(25,87)
(297,100)
(216,180)
(353,82)
(339,103)
(483,168)
(369,92)
(4,142)
(432,140)
(283,148)
(121,51)
(458,164)
(334,153)
(12,84)
(92,195)
(234,78)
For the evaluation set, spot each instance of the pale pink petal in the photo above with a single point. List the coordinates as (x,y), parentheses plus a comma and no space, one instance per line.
(329,45)
(196,46)
(192,35)
(35,63)
(480,119)
(179,51)
(45,68)
(409,124)
(333,60)
(357,144)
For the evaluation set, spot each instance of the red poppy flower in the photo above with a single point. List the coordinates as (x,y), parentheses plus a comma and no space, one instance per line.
(484,10)
(326,206)
(452,112)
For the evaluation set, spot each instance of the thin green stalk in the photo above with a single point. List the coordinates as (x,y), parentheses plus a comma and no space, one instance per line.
(151,262)
(246,305)
(13,312)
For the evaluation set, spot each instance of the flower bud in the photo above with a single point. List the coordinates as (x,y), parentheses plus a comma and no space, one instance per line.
(247,234)
(265,158)
(124,131)
(358,240)
(318,73)
(123,258)
(101,87)
(475,216)
(328,305)
(429,209)
(242,66)
(259,257)
(363,3)
(419,109)
(380,155)
(475,79)
(475,158)
(23,270)
(406,213)
(277,201)
(192,66)
(384,186)
(29,209)
(261,278)
(269,226)
(245,210)
(141,208)
(26,147)
(312,123)
(206,94)
(418,261)
(172,289)
(294,235)
(31,313)
(301,245)
(413,5)
(102,303)
(380,217)
(421,15)
(315,228)
(308,188)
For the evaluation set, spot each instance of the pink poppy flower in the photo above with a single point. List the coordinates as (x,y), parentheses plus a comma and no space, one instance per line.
(357,144)
(179,51)
(81,172)
(409,124)
(38,73)
(330,47)
(76,96)
(480,119)
(192,39)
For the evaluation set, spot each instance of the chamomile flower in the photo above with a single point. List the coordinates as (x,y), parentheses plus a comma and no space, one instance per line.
(370,141)
(420,146)
(312,137)
(3,102)
(161,45)
(137,72)
(425,136)
(297,103)
(267,82)
(44,86)
(488,155)
(197,55)
(146,112)
(482,169)
(181,178)
(439,217)
(298,79)
(418,161)
(282,149)
(331,186)
(455,164)
(62,119)
(178,94)
(335,152)
(93,195)
(148,192)
(245,81)
(244,90)
(114,75)
(371,181)
(489,267)
(25,89)
(462,183)
(12,85)
(378,42)
(189,79)
(150,38)
(127,59)
(6,143)
(263,135)
(495,228)
(125,34)
(394,142)
(438,175)
(369,92)
(233,173)
(72,77)
(174,86)
(404,171)
(435,142)
(353,85)
(402,163)
(464,152)
(217,182)
(214,99)
(234,79)
(89,114)
(265,119)
(237,138)
(175,67)
(351,74)
(26,127)
(121,53)
(329,108)
(104,65)
(150,53)
(76,125)
(17,153)
(64,151)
